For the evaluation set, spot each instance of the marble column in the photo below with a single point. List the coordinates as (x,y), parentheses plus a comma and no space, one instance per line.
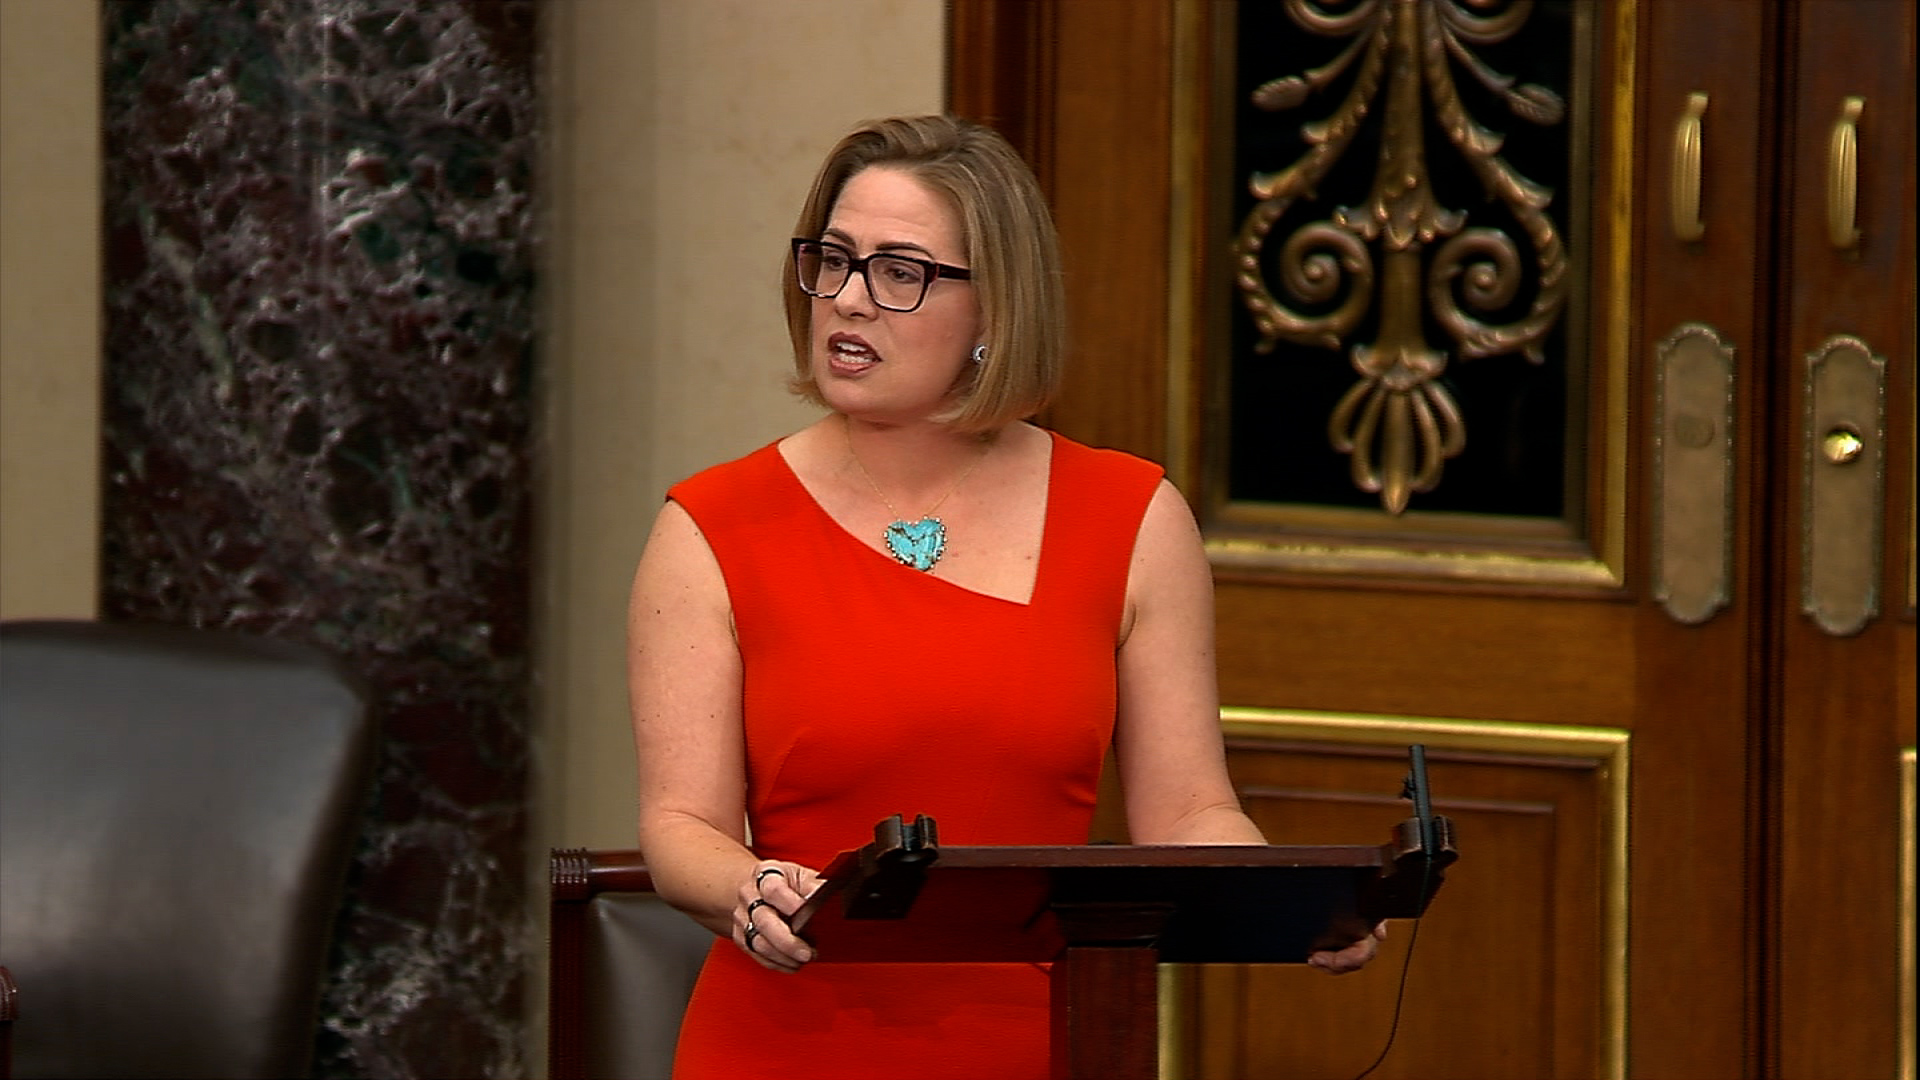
(318,361)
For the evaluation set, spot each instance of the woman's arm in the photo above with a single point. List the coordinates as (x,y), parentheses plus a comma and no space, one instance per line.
(684,685)
(1172,760)
(1173,767)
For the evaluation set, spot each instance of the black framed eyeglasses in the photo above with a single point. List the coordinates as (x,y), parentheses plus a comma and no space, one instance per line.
(896,282)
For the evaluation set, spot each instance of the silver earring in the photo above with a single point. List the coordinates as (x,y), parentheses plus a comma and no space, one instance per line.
(979,354)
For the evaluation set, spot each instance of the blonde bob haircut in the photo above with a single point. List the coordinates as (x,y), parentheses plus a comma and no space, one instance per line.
(1010,244)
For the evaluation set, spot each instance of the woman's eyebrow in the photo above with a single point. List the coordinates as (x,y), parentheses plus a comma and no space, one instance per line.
(841,238)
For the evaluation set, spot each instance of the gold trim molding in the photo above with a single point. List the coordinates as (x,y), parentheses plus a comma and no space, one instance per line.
(1385,561)
(1607,748)
(1905,933)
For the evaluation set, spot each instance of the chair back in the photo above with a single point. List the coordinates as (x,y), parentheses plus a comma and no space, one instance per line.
(178,809)
(621,965)
(8,992)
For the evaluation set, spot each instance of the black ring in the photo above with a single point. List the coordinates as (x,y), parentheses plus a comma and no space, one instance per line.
(760,903)
(757,878)
(752,932)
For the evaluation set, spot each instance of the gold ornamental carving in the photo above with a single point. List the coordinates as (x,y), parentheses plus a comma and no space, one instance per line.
(1399,255)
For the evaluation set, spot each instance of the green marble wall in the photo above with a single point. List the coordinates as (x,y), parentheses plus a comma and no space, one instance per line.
(319,328)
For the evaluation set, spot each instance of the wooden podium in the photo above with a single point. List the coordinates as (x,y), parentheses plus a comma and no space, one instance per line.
(1106,915)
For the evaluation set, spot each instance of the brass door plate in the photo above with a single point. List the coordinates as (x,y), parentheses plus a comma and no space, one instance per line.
(1693,473)
(1843,465)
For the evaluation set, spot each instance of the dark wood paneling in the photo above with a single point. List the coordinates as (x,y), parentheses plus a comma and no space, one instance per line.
(1111,191)
(1503,980)
(1000,73)
(1385,651)
(1698,797)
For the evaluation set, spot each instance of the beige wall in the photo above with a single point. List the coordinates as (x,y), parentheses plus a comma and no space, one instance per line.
(49,308)
(685,135)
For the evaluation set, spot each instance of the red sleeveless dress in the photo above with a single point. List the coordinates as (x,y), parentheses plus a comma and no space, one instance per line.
(872,689)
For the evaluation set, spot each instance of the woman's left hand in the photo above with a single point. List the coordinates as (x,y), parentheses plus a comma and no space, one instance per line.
(1353,957)
(765,902)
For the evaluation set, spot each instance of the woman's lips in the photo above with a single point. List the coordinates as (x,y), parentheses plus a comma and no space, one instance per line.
(848,354)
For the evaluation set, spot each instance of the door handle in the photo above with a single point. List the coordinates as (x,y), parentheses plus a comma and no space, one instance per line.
(1688,225)
(1843,175)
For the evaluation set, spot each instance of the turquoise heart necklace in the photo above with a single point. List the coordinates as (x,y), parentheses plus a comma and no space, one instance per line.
(918,544)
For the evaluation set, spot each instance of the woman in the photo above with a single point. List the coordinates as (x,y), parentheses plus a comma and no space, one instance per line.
(919,604)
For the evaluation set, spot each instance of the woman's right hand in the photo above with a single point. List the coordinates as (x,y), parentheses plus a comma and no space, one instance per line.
(766,901)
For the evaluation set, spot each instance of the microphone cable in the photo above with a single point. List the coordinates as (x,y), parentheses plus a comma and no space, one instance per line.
(1406,964)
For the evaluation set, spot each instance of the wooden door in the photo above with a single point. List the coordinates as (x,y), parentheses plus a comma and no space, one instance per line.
(1841,742)
(1679,795)
(1800,265)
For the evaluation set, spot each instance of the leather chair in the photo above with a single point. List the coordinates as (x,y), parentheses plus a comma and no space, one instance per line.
(621,965)
(178,810)
(7,997)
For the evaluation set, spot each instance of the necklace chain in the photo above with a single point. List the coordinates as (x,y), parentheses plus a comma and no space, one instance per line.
(847,429)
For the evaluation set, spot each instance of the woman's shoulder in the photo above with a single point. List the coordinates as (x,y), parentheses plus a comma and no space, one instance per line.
(745,478)
(1104,491)
(1101,464)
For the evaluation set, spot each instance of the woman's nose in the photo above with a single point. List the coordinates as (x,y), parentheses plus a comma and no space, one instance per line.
(855,298)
